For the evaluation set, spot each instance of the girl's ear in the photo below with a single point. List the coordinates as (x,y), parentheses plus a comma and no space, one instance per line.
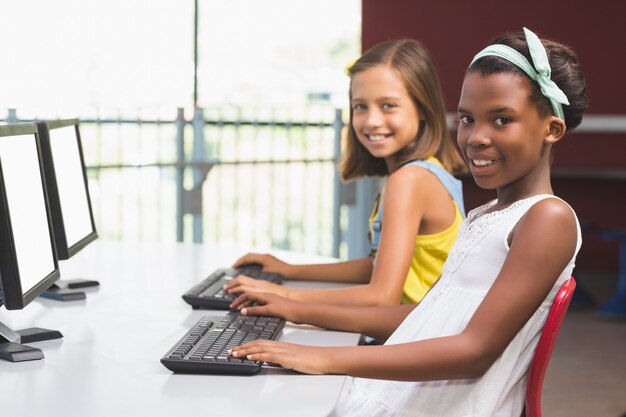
(556,130)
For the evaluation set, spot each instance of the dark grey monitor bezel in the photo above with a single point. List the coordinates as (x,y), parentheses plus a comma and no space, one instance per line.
(64,251)
(11,292)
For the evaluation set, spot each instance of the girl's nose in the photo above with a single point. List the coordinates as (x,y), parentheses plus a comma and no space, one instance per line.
(478,138)
(374,119)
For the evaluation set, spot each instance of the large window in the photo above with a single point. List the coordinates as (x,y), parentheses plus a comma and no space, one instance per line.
(82,58)
(270,75)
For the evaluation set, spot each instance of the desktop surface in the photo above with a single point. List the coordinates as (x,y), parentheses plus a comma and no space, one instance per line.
(108,361)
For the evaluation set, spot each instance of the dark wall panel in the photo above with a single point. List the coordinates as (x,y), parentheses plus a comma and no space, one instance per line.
(590,168)
(454,31)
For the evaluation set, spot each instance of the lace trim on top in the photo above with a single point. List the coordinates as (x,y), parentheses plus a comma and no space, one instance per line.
(478,224)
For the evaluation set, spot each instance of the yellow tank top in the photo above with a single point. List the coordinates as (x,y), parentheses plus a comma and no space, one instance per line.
(431,251)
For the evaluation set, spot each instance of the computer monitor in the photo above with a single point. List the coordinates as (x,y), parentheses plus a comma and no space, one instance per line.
(28,260)
(68,193)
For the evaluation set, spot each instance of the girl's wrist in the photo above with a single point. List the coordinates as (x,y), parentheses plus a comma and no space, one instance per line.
(289,271)
(331,360)
(297,312)
(286,292)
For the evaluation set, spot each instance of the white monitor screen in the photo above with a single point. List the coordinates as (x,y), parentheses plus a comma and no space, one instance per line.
(27,209)
(71,184)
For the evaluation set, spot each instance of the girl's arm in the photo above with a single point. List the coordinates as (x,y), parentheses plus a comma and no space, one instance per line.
(541,245)
(378,322)
(409,193)
(355,271)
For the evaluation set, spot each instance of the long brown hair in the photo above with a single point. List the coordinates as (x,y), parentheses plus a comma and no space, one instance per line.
(411,61)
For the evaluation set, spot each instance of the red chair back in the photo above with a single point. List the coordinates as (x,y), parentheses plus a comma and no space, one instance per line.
(545,347)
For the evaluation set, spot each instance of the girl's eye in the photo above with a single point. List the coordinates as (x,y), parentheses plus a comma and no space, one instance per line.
(465,120)
(501,121)
(388,106)
(357,107)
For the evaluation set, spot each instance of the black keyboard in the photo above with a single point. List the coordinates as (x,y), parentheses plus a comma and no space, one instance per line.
(204,348)
(209,293)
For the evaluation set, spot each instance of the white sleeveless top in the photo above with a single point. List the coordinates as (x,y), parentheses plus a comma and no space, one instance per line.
(469,272)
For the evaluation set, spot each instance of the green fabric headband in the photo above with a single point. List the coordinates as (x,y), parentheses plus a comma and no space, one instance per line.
(540,72)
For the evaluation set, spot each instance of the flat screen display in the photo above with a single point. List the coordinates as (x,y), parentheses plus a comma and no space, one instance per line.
(71,184)
(27,209)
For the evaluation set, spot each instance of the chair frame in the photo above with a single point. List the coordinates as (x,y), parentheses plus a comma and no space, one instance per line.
(545,347)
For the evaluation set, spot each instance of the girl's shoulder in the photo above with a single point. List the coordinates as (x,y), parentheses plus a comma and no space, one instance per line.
(419,168)
(525,204)
(551,211)
(549,226)
(542,208)
(547,215)
(431,163)
(411,173)
(429,177)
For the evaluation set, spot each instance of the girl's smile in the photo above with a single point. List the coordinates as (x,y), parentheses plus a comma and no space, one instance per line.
(479,159)
(482,165)
(378,137)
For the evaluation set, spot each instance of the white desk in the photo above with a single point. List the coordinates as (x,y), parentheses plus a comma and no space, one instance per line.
(107,364)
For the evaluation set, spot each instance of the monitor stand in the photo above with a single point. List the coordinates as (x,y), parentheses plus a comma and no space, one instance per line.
(75,283)
(11,348)
(61,294)
(61,290)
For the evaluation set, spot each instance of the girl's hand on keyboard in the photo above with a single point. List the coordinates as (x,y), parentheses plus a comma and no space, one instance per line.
(268,262)
(305,359)
(243,284)
(265,304)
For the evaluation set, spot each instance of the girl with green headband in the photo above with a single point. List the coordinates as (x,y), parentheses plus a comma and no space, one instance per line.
(465,349)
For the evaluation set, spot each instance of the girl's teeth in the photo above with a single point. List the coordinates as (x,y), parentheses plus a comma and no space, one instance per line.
(482,163)
(376,138)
